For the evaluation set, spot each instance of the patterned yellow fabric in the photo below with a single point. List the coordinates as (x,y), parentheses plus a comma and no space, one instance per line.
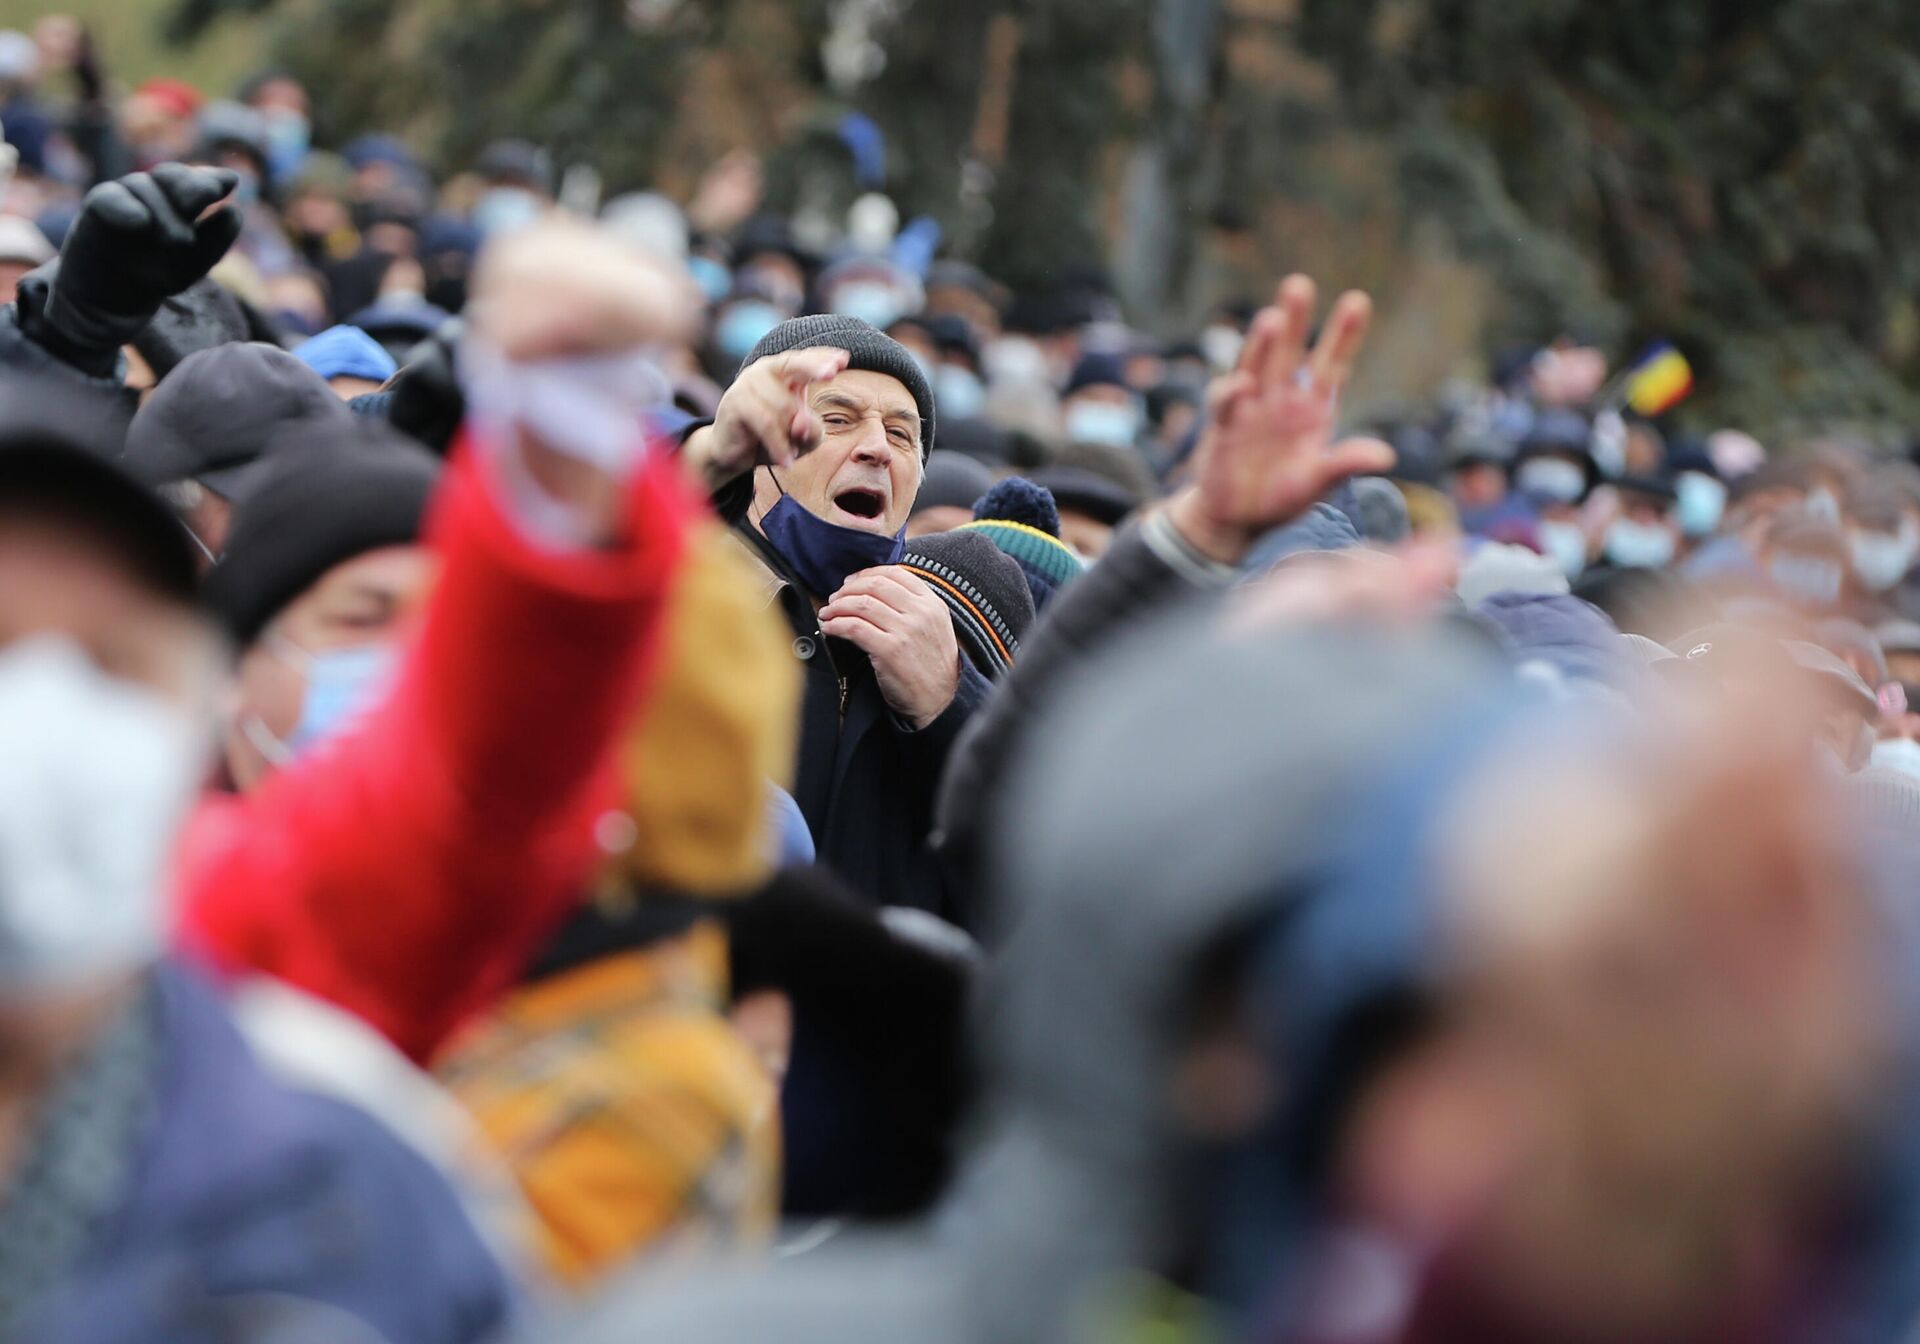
(721,724)
(635,1120)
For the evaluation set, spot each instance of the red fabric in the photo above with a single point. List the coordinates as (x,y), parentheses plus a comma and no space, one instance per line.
(408,872)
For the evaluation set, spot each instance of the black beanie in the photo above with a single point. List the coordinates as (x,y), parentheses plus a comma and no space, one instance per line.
(985,591)
(321,503)
(199,317)
(870,348)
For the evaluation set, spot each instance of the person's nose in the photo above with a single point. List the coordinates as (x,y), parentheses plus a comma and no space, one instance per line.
(870,445)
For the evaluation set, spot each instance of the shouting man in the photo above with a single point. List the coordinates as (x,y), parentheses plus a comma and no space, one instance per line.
(815,456)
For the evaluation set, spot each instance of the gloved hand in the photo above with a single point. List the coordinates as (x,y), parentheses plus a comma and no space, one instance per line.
(138,242)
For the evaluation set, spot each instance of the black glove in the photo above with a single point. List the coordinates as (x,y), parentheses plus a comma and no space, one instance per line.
(425,399)
(137,242)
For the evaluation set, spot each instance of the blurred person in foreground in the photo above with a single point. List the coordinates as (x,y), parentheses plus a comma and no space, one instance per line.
(1101,1071)
(1643,1074)
(424,712)
(815,457)
(155,1180)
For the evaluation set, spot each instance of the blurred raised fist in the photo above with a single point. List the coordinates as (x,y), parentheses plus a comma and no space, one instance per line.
(138,241)
(561,288)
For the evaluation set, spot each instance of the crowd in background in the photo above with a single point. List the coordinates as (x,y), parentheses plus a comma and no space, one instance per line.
(649,769)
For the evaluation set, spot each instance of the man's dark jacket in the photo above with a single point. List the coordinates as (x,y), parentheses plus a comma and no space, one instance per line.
(866,782)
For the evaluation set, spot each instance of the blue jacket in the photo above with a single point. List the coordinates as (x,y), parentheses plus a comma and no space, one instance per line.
(255,1211)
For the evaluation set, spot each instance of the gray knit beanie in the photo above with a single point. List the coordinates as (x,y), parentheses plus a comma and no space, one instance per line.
(871,348)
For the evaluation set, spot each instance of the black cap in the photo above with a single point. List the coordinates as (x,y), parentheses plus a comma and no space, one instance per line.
(211,419)
(1099,497)
(952,480)
(327,496)
(870,348)
(199,317)
(55,473)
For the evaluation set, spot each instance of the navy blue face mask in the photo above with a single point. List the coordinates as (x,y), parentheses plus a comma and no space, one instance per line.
(824,555)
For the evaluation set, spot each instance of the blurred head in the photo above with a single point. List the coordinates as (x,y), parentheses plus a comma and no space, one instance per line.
(1099,405)
(1805,557)
(107,681)
(321,581)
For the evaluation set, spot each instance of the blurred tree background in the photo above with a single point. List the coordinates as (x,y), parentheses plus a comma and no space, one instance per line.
(1732,174)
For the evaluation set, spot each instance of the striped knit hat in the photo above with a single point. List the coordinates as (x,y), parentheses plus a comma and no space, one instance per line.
(983,589)
(1020,518)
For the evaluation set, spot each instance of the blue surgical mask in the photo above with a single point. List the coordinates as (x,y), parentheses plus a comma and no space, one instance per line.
(1880,559)
(288,139)
(1806,578)
(247,190)
(1700,502)
(714,279)
(958,392)
(1566,545)
(1102,422)
(343,687)
(504,209)
(742,325)
(1636,545)
(873,302)
(1897,753)
(1552,478)
(824,555)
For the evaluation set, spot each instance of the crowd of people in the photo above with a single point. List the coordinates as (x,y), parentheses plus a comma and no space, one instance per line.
(649,769)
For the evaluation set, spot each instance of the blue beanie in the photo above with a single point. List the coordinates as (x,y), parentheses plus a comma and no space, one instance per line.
(346,352)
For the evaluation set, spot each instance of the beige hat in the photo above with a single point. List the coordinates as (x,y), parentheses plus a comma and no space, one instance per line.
(21,240)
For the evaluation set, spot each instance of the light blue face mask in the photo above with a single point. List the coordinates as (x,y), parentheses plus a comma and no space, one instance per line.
(343,687)
(872,302)
(714,279)
(504,209)
(1700,502)
(1637,545)
(1880,559)
(1897,753)
(741,327)
(958,392)
(1806,578)
(1566,545)
(1552,478)
(1102,422)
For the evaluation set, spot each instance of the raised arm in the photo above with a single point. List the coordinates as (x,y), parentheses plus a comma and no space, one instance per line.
(410,872)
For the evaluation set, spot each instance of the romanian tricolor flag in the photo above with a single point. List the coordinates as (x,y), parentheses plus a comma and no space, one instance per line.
(1660,381)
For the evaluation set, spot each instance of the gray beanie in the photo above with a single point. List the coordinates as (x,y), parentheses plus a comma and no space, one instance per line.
(871,348)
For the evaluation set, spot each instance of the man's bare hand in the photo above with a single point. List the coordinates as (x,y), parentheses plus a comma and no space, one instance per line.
(764,416)
(1267,451)
(906,632)
(561,288)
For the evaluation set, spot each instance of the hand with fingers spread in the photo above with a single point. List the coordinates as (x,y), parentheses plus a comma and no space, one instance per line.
(1267,452)
(137,242)
(906,633)
(764,416)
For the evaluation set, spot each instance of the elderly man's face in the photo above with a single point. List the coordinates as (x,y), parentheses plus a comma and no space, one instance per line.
(867,467)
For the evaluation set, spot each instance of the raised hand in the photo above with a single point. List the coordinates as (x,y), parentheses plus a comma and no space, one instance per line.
(906,633)
(1267,451)
(764,416)
(137,242)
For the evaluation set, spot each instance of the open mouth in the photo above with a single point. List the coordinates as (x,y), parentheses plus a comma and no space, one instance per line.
(861,503)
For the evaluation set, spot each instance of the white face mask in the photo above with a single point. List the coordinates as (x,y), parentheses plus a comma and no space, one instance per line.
(1896,753)
(1566,545)
(1552,478)
(1102,422)
(96,776)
